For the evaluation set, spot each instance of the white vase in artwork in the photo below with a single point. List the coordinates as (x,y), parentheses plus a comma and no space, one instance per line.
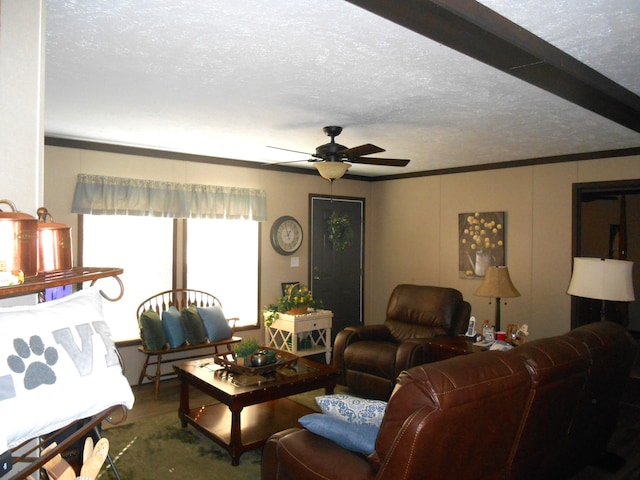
(483,260)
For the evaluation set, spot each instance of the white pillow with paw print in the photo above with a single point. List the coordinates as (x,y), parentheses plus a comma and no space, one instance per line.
(58,365)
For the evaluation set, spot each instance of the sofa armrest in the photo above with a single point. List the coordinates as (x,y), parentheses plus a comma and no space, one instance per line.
(403,462)
(270,456)
(350,335)
(298,453)
(412,352)
(460,320)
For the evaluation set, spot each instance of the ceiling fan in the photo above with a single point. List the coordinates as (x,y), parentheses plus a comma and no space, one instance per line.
(331,159)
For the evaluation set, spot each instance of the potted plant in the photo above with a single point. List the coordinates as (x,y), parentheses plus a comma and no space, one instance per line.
(244,349)
(297,300)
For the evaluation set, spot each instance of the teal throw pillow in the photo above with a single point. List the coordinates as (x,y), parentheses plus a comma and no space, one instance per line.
(194,331)
(172,327)
(215,323)
(359,438)
(153,331)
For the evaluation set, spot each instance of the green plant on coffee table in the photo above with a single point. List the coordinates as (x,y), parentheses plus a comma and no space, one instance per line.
(245,348)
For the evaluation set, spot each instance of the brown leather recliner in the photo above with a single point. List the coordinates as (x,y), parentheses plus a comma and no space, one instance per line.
(526,414)
(371,357)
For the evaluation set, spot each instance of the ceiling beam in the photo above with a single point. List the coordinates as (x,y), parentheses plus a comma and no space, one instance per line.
(477,31)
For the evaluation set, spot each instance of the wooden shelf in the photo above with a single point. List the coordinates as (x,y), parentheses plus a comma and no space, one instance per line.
(43,281)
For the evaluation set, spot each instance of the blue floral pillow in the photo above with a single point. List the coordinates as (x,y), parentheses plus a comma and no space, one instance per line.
(354,410)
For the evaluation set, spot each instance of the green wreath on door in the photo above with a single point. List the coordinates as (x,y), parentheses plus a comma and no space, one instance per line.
(339,231)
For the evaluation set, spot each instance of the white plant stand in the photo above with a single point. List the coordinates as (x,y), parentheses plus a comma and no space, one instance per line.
(285,331)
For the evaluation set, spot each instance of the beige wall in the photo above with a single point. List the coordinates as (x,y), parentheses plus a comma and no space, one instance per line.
(415,235)
(287,194)
(411,231)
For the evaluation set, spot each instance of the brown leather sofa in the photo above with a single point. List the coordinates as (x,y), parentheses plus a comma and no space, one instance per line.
(371,357)
(540,411)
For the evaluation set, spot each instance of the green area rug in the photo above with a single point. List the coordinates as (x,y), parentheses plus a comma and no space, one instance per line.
(159,448)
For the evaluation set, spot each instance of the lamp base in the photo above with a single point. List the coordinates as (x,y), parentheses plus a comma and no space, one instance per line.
(497,322)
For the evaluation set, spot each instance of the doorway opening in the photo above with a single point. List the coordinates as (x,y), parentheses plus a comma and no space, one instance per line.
(606,224)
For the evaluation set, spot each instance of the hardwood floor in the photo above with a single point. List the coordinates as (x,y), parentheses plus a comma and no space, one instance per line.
(625,442)
(146,406)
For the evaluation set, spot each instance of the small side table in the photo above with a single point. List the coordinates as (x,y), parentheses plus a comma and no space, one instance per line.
(283,333)
(447,347)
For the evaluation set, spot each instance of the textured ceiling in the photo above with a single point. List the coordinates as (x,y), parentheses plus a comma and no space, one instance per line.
(226,79)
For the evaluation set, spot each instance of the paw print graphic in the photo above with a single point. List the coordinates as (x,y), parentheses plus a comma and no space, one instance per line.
(38,372)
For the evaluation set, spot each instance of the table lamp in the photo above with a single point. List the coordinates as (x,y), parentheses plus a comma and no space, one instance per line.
(497,284)
(602,279)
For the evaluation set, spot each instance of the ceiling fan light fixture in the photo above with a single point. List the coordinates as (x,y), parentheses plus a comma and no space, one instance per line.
(332,170)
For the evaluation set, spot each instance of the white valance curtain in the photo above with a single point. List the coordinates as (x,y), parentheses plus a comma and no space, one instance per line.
(102,195)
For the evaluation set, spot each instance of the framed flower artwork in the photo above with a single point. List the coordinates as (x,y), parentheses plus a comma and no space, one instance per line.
(481,242)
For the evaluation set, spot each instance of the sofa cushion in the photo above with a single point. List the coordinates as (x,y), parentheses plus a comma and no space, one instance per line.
(194,331)
(419,305)
(611,351)
(435,408)
(360,438)
(298,453)
(172,327)
(215,323)
(354,410)
(559,368)
(154,336)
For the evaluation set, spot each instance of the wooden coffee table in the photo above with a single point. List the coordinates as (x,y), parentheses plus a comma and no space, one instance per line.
(249,412)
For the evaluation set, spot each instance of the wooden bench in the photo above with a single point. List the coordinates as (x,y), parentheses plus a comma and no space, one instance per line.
(178,298)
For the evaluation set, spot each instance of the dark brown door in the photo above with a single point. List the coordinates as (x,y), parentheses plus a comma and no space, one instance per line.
(336,257)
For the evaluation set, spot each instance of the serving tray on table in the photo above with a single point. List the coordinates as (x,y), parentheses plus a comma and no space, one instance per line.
(228,361)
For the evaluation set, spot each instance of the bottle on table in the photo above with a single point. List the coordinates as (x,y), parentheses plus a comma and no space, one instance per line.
(487,331)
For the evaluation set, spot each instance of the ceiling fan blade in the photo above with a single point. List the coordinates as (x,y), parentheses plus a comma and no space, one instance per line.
(291,161)
(360,150)
(389,162)
(288,150)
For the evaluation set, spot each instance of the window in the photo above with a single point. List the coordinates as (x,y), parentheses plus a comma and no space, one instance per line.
(143,247)
(221,257)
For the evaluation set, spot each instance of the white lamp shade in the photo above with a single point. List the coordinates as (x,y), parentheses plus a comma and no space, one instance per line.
(602,279)
(332,170)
